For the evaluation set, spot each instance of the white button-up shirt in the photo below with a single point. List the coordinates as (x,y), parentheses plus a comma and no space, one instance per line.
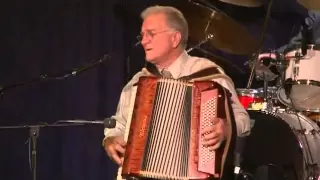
(183,66)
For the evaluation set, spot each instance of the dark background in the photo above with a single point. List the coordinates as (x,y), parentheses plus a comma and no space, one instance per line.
(53,37)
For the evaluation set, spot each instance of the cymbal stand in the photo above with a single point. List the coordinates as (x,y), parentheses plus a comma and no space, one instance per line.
(208,37)
(262,36)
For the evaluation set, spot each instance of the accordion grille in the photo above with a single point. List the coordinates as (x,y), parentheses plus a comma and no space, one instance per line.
(167,149)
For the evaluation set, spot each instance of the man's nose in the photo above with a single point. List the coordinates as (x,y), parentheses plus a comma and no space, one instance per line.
(144,40)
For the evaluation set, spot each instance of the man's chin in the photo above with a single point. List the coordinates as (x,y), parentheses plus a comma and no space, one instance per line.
(149,59)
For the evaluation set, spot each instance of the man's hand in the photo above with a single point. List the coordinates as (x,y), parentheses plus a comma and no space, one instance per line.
(115,148)
(214,135)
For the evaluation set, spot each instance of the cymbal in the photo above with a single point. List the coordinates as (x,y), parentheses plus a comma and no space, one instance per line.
(220,31)
(245,3)
(310,4)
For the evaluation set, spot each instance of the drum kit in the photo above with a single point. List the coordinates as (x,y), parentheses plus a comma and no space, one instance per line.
(285,135)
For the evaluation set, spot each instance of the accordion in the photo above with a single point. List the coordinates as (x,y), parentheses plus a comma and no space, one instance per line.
(164,139)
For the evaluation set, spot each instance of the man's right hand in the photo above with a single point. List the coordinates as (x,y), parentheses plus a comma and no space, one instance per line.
(115,148)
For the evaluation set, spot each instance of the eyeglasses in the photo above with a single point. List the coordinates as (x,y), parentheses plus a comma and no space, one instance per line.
(149,34)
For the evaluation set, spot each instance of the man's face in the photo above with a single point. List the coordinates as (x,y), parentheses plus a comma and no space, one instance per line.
(157,38)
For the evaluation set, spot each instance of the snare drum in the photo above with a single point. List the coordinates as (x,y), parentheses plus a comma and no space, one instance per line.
(253,99)
(301,90)
(284,142)
(250,97)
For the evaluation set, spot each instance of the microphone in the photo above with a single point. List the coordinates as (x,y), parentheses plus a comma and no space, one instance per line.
(137,44)
(128,63)
(240,143)
(107,122)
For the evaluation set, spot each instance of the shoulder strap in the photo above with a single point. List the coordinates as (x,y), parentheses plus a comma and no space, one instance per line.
(152,69)
(202,73)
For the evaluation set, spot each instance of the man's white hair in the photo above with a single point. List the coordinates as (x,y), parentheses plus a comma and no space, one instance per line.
(174,17)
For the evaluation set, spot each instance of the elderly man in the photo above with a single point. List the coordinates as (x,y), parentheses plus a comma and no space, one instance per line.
(164,34)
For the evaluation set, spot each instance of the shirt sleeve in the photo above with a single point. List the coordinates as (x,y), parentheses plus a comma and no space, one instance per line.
(241,115)
(308,32)
(123,109)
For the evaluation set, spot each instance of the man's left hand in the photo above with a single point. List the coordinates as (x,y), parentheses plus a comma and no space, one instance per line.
(214,135)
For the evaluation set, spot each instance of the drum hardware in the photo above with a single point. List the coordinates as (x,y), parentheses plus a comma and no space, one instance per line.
(258,49)
(301,87)
(309,162)
(264,73)
(267,104)
(305,132)
(313,171)
(208,37)
(281,67)
(286,147)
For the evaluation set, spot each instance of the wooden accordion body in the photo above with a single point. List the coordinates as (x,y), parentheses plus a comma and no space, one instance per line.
(164,140)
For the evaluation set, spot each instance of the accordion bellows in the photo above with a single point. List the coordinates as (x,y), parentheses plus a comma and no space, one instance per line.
(164,140)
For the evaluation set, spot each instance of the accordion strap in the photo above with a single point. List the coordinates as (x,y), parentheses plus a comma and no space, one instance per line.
(229,146)
(209,73)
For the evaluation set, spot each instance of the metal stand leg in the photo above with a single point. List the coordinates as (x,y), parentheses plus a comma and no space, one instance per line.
(34,133)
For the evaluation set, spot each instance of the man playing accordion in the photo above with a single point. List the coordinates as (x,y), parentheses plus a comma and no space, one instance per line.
(164,35)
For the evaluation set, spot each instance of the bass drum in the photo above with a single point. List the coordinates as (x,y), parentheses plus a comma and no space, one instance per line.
(277,143)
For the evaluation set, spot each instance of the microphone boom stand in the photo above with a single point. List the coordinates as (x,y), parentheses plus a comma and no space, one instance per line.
(44,78)
(34,134)
(35,129)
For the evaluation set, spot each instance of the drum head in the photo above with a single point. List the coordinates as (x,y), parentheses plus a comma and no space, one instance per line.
(283,98)
(304,98)
(273,144)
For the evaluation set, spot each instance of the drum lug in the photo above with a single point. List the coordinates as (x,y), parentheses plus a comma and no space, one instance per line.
(300,131)
(296,71)
(313,171)
(313,132)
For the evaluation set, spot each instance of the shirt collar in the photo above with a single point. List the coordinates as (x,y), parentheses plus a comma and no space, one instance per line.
(177,66)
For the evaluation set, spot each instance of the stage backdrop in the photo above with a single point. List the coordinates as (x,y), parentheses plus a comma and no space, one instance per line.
(52,38)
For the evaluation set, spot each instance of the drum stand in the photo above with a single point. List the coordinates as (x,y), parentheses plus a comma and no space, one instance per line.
(267,101)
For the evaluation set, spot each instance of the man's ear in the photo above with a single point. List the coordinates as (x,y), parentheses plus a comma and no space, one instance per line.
(176,39)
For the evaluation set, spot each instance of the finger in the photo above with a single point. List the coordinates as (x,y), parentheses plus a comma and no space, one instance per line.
(216,176)
(109,149)
(116,158)
(211,142)
(207,130)
(196,158)
(121,142)
(215,147)
(210,136)
(112,153)
(121,159)
(119,149)
(216,121)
